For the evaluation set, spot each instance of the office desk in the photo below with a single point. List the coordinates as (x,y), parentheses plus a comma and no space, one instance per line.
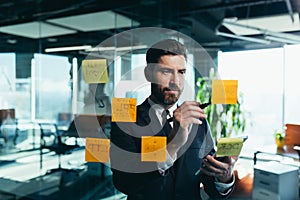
(286,151)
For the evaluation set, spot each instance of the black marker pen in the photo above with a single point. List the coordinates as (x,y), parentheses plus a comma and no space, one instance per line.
(202,106)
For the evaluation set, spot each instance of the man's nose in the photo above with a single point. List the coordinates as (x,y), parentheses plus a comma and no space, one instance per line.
(174,79)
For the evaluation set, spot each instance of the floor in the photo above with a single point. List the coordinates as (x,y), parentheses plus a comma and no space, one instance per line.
(23,176)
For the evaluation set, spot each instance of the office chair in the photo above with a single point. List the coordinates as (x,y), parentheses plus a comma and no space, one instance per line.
(292,137)
(292,134)
(51,139)
(64,120)
(87,125)
(8,126)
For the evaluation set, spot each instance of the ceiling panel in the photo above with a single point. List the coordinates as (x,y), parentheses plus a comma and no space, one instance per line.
(95,21)
(90,22)
(35,30)
(278,23)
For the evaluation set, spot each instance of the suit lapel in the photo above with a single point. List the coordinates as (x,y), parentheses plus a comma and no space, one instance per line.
(147,117)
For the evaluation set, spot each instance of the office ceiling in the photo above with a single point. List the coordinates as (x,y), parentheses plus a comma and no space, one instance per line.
(228,25)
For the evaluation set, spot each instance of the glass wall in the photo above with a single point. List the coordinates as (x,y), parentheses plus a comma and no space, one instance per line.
(268,81)
(52,86)
(291,84)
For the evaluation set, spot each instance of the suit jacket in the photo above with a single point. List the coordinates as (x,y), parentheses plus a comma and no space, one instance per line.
(142,180)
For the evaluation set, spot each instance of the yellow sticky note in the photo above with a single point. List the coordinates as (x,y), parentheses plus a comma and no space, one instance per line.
(97,150)
(224,91)
(154,148)
(95,71)
(229,146)
(123,110)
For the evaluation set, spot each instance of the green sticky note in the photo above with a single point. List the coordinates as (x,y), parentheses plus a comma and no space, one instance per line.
(229,146)
(95,71)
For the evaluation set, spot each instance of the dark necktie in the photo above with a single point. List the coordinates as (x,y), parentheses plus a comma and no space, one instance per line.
(167,128)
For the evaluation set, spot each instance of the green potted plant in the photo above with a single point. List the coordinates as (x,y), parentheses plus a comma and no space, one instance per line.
(279,139)
(225,120)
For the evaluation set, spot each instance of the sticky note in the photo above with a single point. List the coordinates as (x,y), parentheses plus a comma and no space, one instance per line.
(224,91)
(123,110)
(97,150)
(95,71)
(154,148)
(229,146)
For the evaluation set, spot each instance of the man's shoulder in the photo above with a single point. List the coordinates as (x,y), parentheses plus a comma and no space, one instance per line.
(144,103)
(143,106)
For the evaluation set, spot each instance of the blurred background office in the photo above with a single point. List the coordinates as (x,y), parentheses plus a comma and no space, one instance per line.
(44,43)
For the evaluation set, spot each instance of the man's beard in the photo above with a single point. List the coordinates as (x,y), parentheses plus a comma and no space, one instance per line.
(162,97)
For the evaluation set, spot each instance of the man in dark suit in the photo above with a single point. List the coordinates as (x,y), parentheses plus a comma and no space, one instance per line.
(190,146)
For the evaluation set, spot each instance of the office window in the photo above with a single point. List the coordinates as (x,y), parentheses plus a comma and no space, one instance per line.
(14,92)
(53,89)
(292,82)
(260,76)
(7,72)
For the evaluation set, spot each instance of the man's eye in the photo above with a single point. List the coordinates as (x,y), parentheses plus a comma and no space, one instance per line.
(182,71)
(166,71)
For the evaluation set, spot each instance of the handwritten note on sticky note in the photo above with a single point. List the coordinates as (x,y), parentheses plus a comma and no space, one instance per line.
(97,150)
(123,110)
(224,91)
(95,71)
(229,146)
(154,148)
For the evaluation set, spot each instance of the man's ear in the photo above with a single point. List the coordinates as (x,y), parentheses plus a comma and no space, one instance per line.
(148,73)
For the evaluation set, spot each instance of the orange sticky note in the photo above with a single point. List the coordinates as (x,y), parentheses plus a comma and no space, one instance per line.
(95,71)
(154,148)
(97,150)
(224,91)
(123,110)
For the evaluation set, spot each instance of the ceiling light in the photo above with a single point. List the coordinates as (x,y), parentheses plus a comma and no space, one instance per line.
(71,48)
(282,40)
(256,40)
(11,41)
(111,48)
(52,39)
(287,36)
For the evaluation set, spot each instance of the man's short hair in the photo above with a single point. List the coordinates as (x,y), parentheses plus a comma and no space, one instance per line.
(165,47)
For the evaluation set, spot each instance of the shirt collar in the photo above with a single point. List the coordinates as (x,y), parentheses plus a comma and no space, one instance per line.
(160,108)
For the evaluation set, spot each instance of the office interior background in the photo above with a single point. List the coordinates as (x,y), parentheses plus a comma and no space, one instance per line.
(43,44)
